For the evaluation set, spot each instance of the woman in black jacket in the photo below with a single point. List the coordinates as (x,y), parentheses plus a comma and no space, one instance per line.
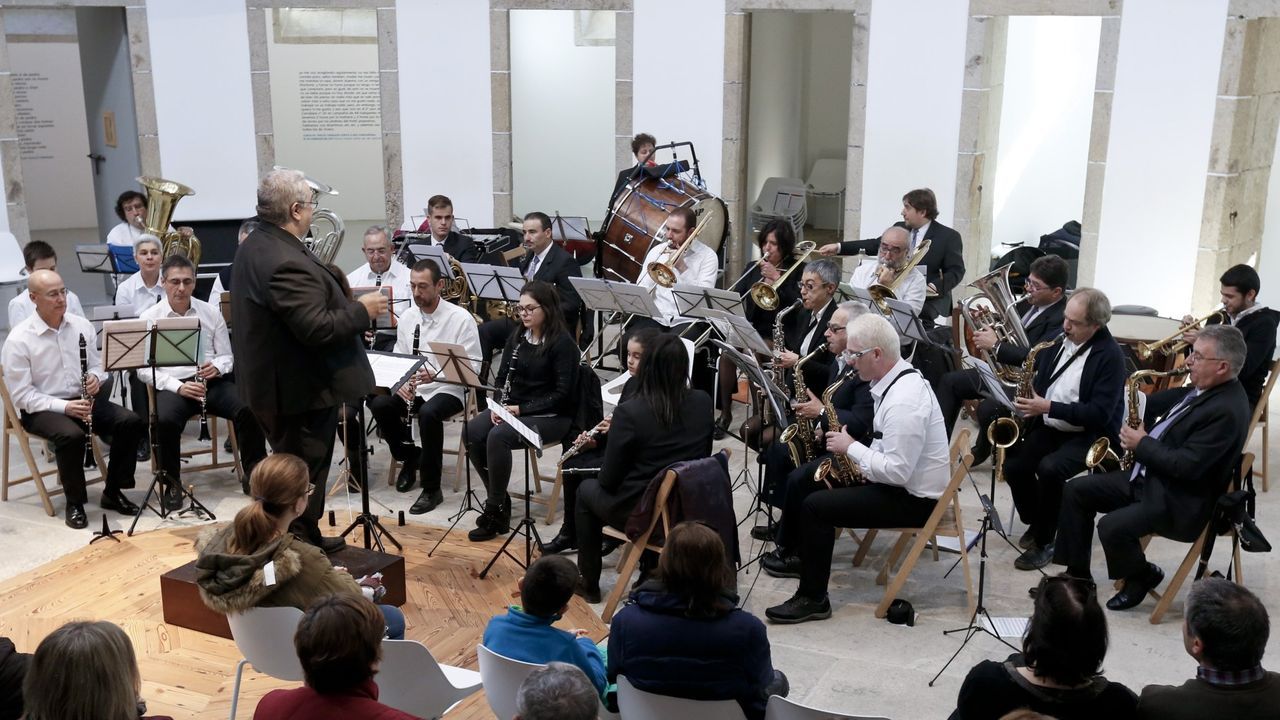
(535,381)
(663,424)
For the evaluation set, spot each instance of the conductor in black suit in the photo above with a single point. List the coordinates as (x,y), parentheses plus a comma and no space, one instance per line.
(943,264)
(1180,468)
(297,343)
(439,223)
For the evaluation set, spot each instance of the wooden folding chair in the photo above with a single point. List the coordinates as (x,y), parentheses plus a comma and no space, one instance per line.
(215,447)
(1260,419)
(12,429)
(633,549)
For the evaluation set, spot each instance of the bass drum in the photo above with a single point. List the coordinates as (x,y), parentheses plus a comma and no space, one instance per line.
(639,214)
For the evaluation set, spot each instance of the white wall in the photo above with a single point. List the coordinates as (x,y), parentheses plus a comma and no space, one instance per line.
(204,103)
(915,73)
(562,117)
(678,77)
(1161,122)
(1269,258)
(1050,64)
(775,120)
(829,60)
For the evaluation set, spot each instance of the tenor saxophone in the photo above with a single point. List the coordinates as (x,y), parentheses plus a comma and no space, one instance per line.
(838,470)
(84,395)
(1100,452)
(798,436)
(780,341)
(1004,432)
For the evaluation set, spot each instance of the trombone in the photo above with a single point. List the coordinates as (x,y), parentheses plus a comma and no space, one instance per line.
(662,271)
(881,292)
(765,295)
(1168,346)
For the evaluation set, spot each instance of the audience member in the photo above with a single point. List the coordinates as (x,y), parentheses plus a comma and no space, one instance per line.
(13,670)
(1059,669)
(1226,631)
(525,633)
(558,691)
(85,671)
(684,635)
(339,643)
(231,570)
(1025,714)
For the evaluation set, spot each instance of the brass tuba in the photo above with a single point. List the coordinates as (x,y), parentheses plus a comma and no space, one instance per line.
(324,243)
(162,197)
(880,292)
(996,313)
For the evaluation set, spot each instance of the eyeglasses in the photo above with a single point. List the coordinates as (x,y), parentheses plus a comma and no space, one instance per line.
(1195,356)
(851,356)
(811,285)
(527,309)
(835,328)
(312,203)
(180,282)
(1032,286)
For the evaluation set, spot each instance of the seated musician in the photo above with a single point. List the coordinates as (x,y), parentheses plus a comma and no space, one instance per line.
(777,243)
(1040,313)
(1077,397)
(544,261)
(1180,468)
(593,447)
(536,384)
(38,255)
(179,390)
(434,320)
(439,223)
(664,423)
(805,327)
(222,283)
(131,208)
(892,256)
(905,470)
(142,289)
(381,269)
(642,146)
(41,359)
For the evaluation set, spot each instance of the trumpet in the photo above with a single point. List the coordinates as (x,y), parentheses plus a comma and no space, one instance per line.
(662,271)
(765,295)
(1173,344)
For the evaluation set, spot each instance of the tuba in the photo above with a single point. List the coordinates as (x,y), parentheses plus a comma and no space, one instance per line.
(880,292)
(996,313)
(324,243)
(162,197)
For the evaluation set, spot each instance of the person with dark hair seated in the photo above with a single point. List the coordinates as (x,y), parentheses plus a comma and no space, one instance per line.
(558,691)
(85,671)
(684,635)
(1059,669)
(339,643)
(525,633)
(1225,630)
(13,670)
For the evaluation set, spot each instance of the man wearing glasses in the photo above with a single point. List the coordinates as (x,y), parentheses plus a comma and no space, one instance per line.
(1181,465)
(1040,312)
(805,331)
(380,270)
(181,389)
(891,257)
(298,339)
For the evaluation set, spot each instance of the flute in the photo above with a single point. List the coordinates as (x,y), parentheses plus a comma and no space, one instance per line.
(582,441)
(84,395)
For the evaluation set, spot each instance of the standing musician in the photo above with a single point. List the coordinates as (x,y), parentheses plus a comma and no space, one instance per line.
(892,255)
(1040,312)
(536,380)
(439,223)
(38,255)
(1077,397)
(381,269)
(298,337)
(905,469)
(183,392)
(777,243)
(56,399)
(433,320)
(944,263)
(1180,468)
(663,424)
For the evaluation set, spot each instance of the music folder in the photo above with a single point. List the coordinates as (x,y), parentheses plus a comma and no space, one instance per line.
(391,370)
(385,320)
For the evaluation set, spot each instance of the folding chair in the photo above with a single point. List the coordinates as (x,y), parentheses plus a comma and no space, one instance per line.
(459,453)
(214,447)
(1260,419)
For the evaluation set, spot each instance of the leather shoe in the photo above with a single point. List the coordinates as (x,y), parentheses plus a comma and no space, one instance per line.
(799,609)
(560,543)
(331,545)
(1136,588)
(764,533)
(408,476)
(426,502)
(1028,539)
(171,497)
(781,566)
(608,545)
(590,594)
(722,425)
(115,500)
(1035,557)
(76,519)
(144,450)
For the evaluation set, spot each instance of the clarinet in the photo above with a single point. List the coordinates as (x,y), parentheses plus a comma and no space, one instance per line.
(84,395)
(373,323)
(408,411)
(204,406)
(511,370)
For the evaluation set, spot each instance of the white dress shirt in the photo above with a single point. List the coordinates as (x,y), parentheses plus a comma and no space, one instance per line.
(449,323)
(135,293)
(124,235)
(396,277)
(700,269)
(912,451)
(23,307)
(911,290)
(215,343)
(1066,388)
(42,364)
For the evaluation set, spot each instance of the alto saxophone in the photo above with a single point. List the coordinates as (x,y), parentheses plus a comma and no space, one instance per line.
(1100,452)
(838,470)
(1003,432)
(84,395)
(780,341)
(798,436)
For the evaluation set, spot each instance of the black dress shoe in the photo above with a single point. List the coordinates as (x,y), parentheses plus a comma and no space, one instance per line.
(115,500)
(331,545)
(799,609)
(608,545)
(722,425)
(763,532)
(171,497)
(781,566)
(408,476)
(144,450)
(244,487)
(76,519)
(1136,588)
(1028,539)
(560,543)
(590,594)
(1035,557)
(426,502)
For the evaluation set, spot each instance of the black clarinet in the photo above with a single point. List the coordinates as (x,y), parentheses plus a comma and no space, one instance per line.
(84,395)
(373,322)
(408,412)
(204,406)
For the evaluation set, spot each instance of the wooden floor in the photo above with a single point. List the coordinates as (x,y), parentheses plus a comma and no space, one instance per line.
(188,674)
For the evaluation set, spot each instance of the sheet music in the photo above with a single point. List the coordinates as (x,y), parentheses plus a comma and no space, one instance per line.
(1009,627)
(529,434)
(457,373)
(391,370)
(995,389)
(177,342)
(124,344)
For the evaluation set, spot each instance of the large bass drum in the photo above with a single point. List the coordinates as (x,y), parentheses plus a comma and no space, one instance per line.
(639,215)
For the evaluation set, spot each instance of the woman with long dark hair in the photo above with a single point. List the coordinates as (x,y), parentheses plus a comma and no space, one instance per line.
(663,424)
(535,383)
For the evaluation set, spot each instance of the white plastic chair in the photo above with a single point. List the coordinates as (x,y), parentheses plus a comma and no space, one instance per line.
(502,678)
(409,679)
(780,708)
(265,638)
(827,182)
(636,704)
(781,198)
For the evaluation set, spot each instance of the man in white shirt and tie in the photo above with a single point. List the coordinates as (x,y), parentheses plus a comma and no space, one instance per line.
(181,390)
(41,359)
(38,255)
(895,248)
(382,270)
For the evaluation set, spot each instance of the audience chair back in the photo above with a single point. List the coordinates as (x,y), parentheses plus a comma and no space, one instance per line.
(409,679)
(1259,419)
(780,708)
(636,704)
(265,638)
(502,677)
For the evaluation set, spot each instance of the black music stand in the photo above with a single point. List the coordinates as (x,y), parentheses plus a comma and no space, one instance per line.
(526,527)
(494,282)
(616,298)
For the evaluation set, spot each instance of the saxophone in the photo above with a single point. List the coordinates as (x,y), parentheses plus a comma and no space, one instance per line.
(798,436)
(84,395)
(838,470)
(1003,432)
(780,341)
(1100,452)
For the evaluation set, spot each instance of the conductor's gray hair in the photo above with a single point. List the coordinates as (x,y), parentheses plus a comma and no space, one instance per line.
(278,191)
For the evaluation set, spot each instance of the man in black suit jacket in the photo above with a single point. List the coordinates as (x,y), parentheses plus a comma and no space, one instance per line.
(1180,469)
(804,329)
(297,343)
(439,223)
(1040,313)
(943,264)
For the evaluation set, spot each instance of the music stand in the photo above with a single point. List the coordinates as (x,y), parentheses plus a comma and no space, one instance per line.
(692,300)
(385,320)
(422,251)
(738,331)
(569,228)
(526,527)
(101,314)
(494,282)
(618,298)
(96,259)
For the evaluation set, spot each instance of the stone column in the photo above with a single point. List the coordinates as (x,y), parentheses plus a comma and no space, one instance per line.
(1099,138)
(733,163)
(389,110)
(10,152)
(260,79)
(500,90)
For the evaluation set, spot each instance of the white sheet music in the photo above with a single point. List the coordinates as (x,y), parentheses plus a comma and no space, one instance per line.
(389,371)
(1008,627)
(524,431)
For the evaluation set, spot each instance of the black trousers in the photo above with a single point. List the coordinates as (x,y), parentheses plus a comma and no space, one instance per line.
(222,400)
(791,493)
(310,436)
(389,411)
(873,505)
(587,459)
(1120,530)
(493,336)
(68,438)
(595,508)
(354,439)
(490,447)
(1036,469)
(958,386)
